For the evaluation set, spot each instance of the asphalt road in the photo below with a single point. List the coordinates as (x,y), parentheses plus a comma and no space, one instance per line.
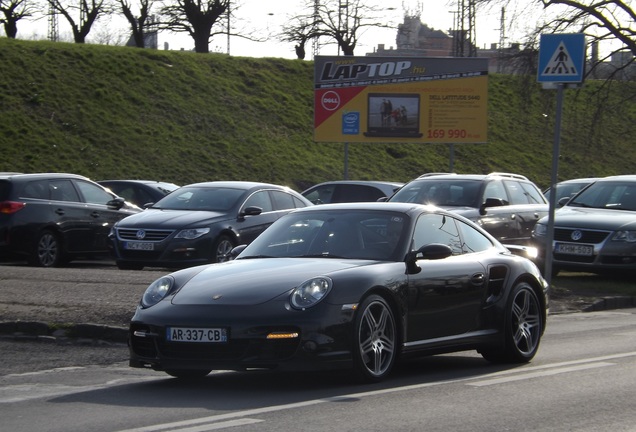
(581,380)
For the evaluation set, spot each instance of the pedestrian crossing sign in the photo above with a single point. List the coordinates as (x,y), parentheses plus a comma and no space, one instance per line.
(561,58)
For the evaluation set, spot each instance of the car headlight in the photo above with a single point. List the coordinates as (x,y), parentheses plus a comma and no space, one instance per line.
(310,292)
(157,291)
(540,230)
(625,236)
(192,233)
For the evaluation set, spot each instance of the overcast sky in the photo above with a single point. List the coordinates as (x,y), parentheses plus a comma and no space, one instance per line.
(267,17)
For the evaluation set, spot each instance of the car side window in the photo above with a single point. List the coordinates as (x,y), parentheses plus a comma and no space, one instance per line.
(474,241)
(321,195)
(282,200)
(259,199)
(533,194)
(36,189)
(437,228)
(495,189)
(356,193)
(93,194)
(63,190)
(516,192)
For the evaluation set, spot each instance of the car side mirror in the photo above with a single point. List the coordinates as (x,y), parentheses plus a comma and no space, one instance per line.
(250,211)
(491,202)
(433,251)
(563,201)
(116,203)
(236,251)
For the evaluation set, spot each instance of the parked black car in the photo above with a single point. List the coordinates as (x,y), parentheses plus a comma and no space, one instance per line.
(200,223)
(50,219)
(355,286)
(350,191)
(506,205)
(139,192)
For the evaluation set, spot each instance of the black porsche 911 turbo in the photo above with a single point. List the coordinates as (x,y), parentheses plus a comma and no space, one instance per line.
(356,286)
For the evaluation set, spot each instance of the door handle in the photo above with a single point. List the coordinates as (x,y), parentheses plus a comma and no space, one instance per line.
(95,214)
(59,212)
(477,279)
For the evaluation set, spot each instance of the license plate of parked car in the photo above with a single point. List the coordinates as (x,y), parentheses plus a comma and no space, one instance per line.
(574,249)
(139,246)
(189,334)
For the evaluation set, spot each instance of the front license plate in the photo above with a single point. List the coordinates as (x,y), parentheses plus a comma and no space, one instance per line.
(139,246)
(189,334)
(574,249)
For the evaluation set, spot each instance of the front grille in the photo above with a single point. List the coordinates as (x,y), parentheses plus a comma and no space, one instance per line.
(588,236)
(240,350)
(152,235)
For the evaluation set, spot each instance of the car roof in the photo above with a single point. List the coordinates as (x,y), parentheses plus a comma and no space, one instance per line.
(374,206)
(360,182)
(455,176)
(625,177)
(237,185)
(36,176)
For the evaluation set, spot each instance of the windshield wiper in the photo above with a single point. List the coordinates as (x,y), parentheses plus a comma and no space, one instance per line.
(257,256)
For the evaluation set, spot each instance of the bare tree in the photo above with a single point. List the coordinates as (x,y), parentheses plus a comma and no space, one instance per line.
(12,12)
(341,21)
(81,16)
(599,20)
(139,23)
(197,18)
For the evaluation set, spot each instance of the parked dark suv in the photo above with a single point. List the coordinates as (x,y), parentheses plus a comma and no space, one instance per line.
(50,219)
(505,205)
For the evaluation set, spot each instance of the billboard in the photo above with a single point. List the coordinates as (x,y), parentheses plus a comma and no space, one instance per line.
(400,99)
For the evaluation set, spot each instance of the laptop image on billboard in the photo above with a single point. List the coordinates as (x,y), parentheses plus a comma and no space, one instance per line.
(393,115)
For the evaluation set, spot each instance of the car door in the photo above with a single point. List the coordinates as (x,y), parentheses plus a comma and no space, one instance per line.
(527,206)
(250,226)
(100,216)
(496,216)
(445,297)
(70,215)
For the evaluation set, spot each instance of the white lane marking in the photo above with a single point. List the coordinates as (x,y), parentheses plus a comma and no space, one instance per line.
(561,367)
(46,371)
(544,373)
(217,426)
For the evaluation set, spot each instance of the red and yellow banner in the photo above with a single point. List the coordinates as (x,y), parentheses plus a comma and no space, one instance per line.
(392,99)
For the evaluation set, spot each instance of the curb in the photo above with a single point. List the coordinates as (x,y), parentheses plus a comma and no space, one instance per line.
(610,303)
(99,334)
(86,334)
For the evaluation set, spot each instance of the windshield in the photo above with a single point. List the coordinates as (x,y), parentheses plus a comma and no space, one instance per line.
(620,195)
(376,235)
(449,193)
(201,198)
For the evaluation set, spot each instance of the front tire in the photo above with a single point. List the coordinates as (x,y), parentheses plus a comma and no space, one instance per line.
(188,374)
(523,328)
(47,251)
(222,248)
(375,340)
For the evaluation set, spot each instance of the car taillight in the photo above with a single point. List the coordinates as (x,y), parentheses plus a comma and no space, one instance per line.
(10,207)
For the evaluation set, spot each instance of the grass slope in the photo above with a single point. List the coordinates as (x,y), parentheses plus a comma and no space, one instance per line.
(117,112)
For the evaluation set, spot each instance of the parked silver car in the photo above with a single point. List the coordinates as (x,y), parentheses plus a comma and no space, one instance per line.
(596,230)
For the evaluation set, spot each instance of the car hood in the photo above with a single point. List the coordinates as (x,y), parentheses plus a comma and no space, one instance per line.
(154,218)
(580,217)
(245,282)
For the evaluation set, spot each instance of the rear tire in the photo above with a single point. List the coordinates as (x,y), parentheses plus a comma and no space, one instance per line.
(47,250)
(375,340)
(523,328)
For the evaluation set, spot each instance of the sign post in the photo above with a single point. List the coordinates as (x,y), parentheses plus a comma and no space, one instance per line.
(561,64)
